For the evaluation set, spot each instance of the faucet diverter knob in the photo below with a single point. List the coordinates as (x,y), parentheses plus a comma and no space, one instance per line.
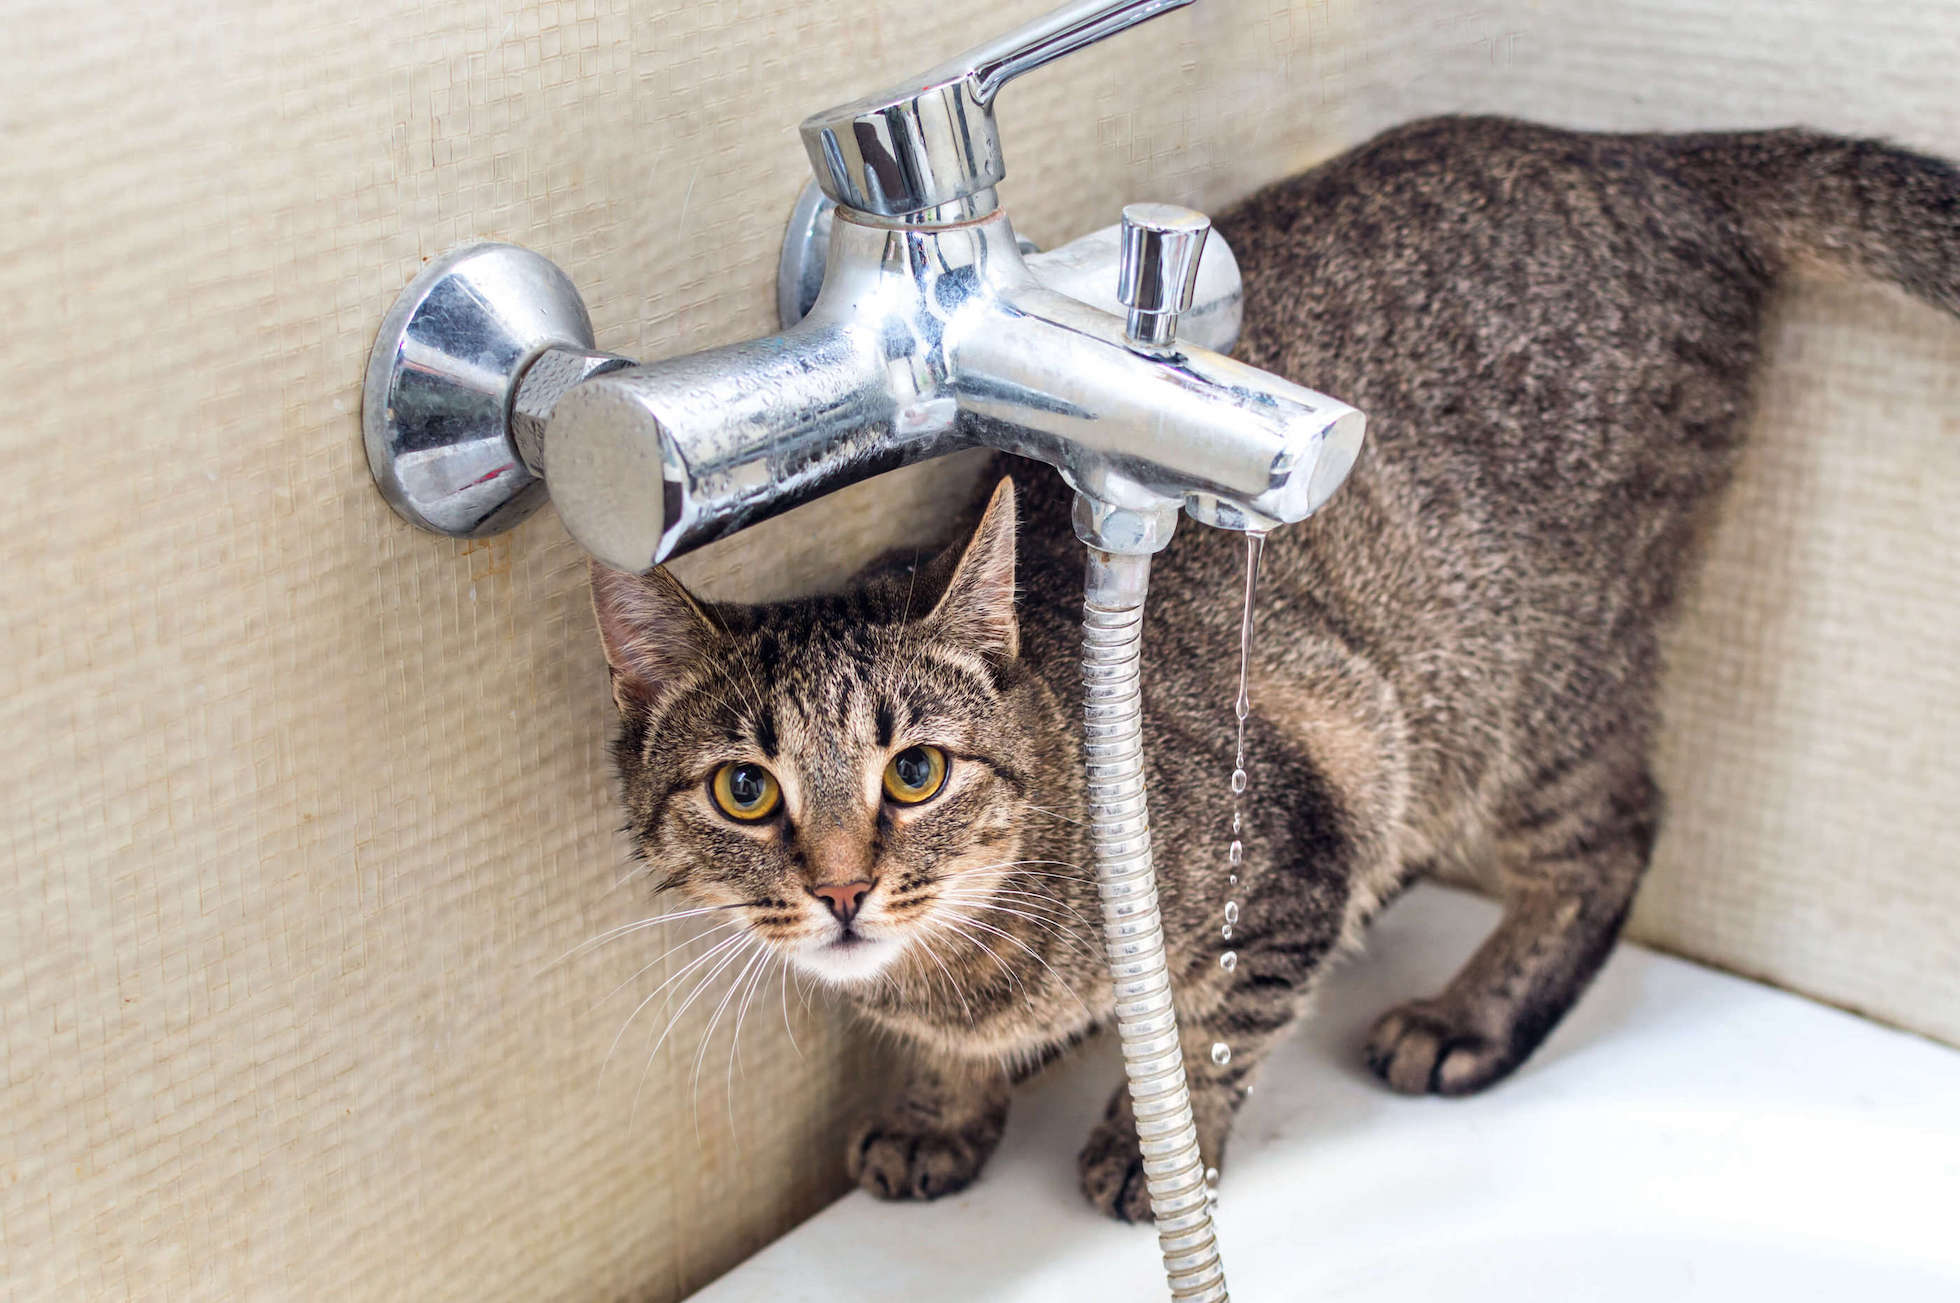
(1158,273)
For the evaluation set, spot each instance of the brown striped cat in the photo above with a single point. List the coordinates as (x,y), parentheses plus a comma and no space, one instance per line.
(1553,336)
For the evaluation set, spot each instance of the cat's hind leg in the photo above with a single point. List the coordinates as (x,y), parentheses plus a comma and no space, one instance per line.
(1571,855)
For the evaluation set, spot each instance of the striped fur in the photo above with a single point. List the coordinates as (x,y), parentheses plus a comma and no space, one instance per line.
(1553,335)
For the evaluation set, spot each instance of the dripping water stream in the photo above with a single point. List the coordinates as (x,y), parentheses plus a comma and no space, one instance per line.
(1255,548)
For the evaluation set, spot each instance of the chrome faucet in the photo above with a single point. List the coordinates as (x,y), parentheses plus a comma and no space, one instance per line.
(932,331)
(915,323)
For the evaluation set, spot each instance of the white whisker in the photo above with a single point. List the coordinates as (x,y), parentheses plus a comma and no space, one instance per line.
(674,1019)
(787,1029)
(685,942)
(684,971)
(708,1036)
(911,583)
(947,921)
(1033,954)
(613,934)
(803,990)
(952,982)
(735,1041)
(918,631)
(1053,928)
(1008,864)
(754,689)
(1019,870)
(735,1048)
(1035,898)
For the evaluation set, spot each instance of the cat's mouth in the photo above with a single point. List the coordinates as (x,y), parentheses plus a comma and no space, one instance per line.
(847,956)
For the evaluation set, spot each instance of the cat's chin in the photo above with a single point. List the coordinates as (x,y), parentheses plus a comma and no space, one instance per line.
(847,961)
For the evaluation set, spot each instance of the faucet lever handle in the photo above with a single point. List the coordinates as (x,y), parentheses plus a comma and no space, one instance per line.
(1158,274)
(992,64)
(929,145)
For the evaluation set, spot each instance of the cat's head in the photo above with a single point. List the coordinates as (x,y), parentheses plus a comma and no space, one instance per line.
(838,774)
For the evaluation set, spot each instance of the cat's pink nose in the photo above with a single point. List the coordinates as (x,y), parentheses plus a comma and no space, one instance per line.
(844,898)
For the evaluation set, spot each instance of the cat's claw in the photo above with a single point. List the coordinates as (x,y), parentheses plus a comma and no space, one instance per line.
(1111,1167)
(897,1159)
(1424,1048)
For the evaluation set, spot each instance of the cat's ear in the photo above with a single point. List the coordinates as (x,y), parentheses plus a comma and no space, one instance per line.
(977,609)
(652,629)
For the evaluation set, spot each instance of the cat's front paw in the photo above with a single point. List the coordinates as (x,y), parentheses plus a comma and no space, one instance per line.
(1426,1048)
(903,1158)
(1111,1167)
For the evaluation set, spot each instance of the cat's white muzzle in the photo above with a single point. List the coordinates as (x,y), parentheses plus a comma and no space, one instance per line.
(842,959)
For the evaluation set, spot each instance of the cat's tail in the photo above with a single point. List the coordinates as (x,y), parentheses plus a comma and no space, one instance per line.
(1858,206)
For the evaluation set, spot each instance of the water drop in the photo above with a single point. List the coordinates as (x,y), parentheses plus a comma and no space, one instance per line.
(1221,1053)
(1255,545)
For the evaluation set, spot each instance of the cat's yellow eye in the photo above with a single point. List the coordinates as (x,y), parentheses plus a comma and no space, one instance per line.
(915,774)
(746,792)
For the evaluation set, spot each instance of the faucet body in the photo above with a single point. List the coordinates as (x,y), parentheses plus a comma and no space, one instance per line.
(931,331)
(925,340)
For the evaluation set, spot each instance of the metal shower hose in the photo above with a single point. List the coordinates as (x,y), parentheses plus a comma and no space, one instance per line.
(1133,929)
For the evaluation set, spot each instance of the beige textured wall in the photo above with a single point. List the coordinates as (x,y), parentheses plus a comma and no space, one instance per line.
(298,802)
(1814,702)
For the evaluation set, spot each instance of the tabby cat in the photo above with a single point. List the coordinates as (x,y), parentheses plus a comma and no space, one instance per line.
(1552,334)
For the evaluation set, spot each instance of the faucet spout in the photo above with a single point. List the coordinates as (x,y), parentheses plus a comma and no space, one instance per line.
(1143,429)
